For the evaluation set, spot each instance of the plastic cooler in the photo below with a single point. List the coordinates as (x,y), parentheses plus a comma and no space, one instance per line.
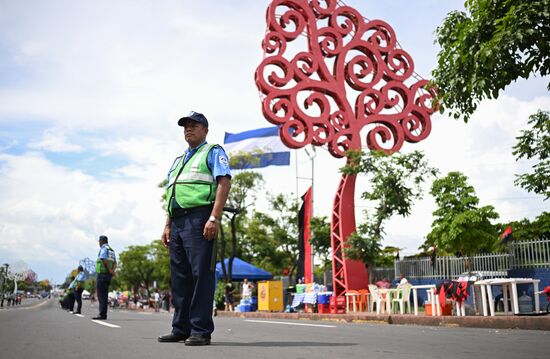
(323,298)
(244,308)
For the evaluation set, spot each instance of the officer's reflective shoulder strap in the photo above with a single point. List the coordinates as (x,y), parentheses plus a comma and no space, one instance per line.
(171,175)
(171,178)
(198,157)
(175,164)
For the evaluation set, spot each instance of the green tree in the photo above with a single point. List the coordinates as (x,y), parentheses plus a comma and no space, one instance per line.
(534,143)
(460,226)
(395,183)
(271,239)
(136,267)
(387,256)
(320,240)
(163,197)
(161,263)
(45,285)
(525,230)
(364,246)
(484,49)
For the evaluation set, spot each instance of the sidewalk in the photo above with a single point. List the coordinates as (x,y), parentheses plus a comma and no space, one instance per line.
(497,322)
(541,322)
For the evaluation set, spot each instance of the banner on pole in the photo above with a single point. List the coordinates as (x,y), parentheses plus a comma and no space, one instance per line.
(305,261)
(263,145)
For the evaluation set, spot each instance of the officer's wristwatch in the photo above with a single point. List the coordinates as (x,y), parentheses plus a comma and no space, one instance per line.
(213,219)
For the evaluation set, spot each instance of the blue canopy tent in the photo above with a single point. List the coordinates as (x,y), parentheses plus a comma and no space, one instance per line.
(242,270)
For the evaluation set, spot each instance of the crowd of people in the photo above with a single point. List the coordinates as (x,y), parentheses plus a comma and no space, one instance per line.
(11,299)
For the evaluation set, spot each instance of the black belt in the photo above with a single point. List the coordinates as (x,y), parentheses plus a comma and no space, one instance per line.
(181,212)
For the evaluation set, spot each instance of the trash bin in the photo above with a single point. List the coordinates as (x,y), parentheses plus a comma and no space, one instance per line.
(270,296)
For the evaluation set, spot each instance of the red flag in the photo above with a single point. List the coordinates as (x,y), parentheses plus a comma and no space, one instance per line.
(506,236)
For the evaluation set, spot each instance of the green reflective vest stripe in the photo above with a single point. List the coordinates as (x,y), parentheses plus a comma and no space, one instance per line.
(191,184)
(99,267)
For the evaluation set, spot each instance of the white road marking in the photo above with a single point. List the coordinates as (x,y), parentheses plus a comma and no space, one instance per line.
(31,307)
(291,323)
(106,324)
(79,315)
(144,313)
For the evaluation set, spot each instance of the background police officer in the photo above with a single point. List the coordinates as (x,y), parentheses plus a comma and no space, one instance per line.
(105,268)
(197,189)
(79,288)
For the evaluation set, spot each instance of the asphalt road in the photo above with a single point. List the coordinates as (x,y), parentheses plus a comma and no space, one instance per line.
(43,330)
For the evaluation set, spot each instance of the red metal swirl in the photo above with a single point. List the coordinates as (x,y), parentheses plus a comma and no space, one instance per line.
(345,79)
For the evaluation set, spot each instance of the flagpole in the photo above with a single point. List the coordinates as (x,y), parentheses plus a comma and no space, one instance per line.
(296,169)
(312,158)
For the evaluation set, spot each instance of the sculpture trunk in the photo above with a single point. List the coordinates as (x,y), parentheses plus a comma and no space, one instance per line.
(346,273)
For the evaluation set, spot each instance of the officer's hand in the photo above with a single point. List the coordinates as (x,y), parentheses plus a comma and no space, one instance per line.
(166,236)
(210,230)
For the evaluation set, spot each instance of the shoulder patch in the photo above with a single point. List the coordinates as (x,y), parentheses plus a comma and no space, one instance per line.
(223,160)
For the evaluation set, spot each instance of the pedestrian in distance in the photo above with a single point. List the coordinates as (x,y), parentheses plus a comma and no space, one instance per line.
(246,291)
(105,267)
(156,298)
(384,283)
(79,288)
(197,189)
(228,296)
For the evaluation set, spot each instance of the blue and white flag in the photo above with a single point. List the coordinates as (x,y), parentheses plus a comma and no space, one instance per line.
(263,143)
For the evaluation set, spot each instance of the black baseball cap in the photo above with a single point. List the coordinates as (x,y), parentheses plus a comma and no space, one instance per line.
(194,116)
(103,238)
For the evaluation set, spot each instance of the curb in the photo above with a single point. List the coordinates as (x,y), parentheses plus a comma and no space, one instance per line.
(500,322)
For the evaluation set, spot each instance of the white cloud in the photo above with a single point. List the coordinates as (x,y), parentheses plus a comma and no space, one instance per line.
(54,214)
(54,140)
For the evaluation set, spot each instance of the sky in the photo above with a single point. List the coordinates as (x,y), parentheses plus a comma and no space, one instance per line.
(90,93)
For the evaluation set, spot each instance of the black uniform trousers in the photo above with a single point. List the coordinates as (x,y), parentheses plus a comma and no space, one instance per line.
(103,281)
(193,283)
(70,301)
(78,298)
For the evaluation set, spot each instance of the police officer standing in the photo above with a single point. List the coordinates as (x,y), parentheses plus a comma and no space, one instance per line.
(105,268)
(78,289)
(197,189)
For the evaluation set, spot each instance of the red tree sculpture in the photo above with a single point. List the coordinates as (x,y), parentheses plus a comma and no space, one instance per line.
(331,77)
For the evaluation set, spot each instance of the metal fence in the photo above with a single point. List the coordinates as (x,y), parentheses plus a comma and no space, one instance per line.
(526,254)
(381,273)
(530,254)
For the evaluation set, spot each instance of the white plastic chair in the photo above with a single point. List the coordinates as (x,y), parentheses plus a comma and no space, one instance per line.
(375,297)
(403,296)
